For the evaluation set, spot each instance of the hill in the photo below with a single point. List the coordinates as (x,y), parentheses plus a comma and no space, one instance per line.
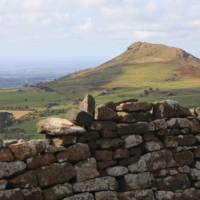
(144,70)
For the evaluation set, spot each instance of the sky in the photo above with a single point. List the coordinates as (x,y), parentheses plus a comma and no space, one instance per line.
(93,30)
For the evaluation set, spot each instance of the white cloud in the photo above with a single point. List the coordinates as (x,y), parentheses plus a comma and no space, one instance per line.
(128,20)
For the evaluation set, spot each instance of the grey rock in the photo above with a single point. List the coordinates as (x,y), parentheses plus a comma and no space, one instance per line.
(11,168)
(133,140)
(96,185)
(117,171)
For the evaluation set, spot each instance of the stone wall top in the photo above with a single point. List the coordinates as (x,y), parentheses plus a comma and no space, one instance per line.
(127,150)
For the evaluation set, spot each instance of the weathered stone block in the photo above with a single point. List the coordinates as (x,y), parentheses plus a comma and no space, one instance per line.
(106,195)
(117,171)
(164,195)
(80,118)
(104,155)
(55,174)
(11,168)
(153,145)
(40,161)
(96,185)
(58,192)
(57,126)
(121,154)
(170,109)
(139,181)
(6,155)
(83,196)
(136,128)
(23,150)
(179,123)
(88,105)
(184,158)
(75,153)
(173,183)
(32,194)
(14,194)
(25,180)
(158,124)
(86,170)
(105,113)
(153,161)
(110,143)
(134,106)
(133,141)
(105,164)
(125,117)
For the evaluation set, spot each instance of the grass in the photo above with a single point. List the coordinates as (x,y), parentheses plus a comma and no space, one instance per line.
(27,99)
(152,75)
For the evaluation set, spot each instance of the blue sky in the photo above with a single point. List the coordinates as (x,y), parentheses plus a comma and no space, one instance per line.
(90,30)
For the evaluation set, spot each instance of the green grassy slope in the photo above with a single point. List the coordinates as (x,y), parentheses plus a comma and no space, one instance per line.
(142,66)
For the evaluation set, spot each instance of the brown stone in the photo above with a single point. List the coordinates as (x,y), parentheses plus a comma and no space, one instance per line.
(40,161)
(105,113)
(55,174)
(134,106)
(110,143)
(23,150)
(90,136)
(86,170)
(14,194)
(186,140)
(88,105)
(32,194)
(104,155)
(105,164)
(171,141)
(108,129)
(184,158)
(195,126)
(124,117)
(136,128)
(106,195)
(172,183)
(128,161)
(170,109)
(25,180)
(75,152)
(58,192)
(121,154)
(197,152)
(6,155)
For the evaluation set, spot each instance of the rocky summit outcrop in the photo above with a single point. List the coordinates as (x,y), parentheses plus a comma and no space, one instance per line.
(117,151)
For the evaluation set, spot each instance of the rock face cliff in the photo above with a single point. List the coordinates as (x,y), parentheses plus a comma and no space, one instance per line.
(117,151)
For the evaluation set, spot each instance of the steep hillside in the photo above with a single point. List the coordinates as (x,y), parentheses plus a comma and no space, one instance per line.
(143,66)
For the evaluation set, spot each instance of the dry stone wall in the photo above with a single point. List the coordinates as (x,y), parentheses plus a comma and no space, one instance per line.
(117,151)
